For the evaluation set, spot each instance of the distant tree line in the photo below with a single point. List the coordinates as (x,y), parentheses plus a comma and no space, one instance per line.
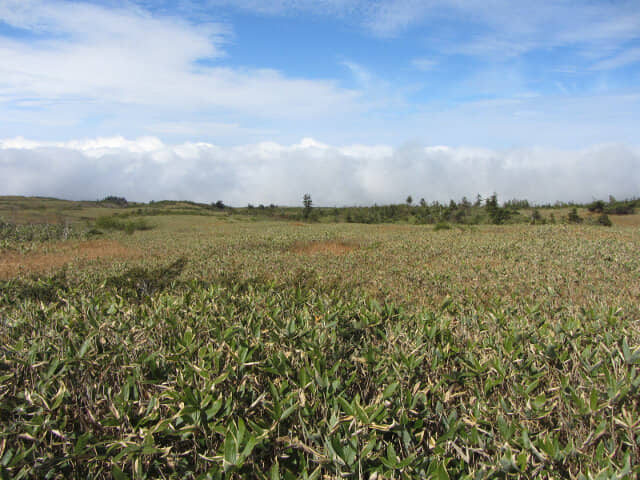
(614,207)
(479,211)
(119,201)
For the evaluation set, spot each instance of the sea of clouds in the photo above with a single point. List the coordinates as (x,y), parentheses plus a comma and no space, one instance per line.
(147,169)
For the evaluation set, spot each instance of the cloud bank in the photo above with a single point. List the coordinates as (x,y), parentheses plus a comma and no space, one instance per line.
(148,169)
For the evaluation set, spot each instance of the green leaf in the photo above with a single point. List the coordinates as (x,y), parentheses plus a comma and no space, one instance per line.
(118,474)
(248,448)
(532,386)
(593,401)
(368,448)
(274,471)
(438,471)
(390,390)
(230,452)
(626,351)
(288,411)
(84,347)
(346,406)
(81,442)
(241,430)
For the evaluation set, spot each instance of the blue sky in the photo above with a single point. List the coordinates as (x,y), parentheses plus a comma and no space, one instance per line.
(490,74)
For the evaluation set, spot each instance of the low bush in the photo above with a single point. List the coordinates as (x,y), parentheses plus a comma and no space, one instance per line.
(604,220)
(573,216)
(115,223)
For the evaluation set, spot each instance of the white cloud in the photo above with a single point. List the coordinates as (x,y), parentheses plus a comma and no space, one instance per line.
(268,172)
(86,54)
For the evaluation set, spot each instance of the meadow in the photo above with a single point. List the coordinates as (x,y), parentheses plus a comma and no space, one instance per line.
(181,342)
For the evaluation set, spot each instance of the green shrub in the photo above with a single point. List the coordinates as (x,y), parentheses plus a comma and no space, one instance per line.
(573,216)
(536,218)
(441,226)
(109,223)
(596,207)
(115,223)
(604,220)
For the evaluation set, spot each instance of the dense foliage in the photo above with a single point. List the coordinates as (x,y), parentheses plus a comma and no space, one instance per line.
(239,349)
(147,378)
(38,232)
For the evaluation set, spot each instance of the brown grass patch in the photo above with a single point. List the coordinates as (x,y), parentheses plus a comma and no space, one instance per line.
(312,248)
(395,227)
(13,264)
(626,220)
(632,220)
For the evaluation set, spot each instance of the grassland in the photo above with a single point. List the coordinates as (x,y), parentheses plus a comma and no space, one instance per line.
(214,346)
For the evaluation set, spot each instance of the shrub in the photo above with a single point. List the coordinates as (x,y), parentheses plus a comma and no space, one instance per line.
(109,223)
(573,216)
(604,220)
(536,218)
(596,207)
(120,201)
(620,208)
(441,226)
(115,223)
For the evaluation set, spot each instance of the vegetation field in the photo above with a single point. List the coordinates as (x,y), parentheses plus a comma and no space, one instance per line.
(182,342)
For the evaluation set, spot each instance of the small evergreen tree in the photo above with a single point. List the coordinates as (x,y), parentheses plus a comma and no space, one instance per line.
(497,215)
(308,205)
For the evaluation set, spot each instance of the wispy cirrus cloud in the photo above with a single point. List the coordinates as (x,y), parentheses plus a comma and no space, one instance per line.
(618,60)
(487,28)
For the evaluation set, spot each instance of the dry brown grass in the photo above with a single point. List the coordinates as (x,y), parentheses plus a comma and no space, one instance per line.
(318,247)
(395,227)
(632,220)
(13,264)
(626,220)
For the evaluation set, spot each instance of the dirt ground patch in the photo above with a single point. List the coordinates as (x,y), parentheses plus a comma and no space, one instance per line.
(13,264)
(311,248)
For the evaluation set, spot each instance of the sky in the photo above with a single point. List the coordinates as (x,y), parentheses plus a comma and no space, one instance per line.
(355,102)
